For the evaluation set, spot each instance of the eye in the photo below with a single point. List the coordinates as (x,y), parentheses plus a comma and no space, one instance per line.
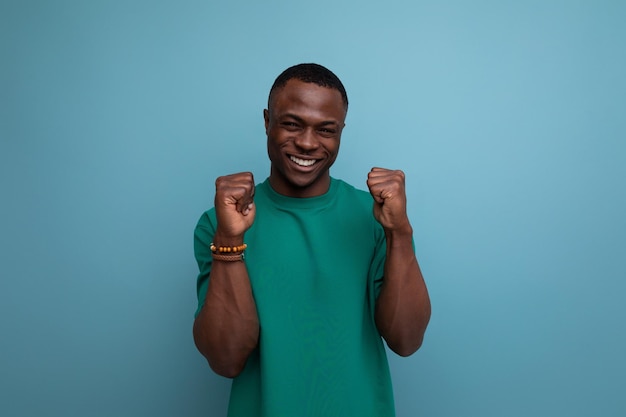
(289,125)
(325,131)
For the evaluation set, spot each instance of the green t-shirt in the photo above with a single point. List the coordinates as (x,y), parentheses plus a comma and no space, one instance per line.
(316,266)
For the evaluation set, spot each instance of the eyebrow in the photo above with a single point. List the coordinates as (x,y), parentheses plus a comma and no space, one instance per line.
(301,120)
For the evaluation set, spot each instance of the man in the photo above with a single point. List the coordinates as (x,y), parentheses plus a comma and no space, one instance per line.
(298,280)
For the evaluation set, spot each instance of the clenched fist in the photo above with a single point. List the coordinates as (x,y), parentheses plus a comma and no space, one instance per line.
(387,188)
(234,207)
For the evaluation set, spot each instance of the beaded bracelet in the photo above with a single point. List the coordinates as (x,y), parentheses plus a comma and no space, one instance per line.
(228,249)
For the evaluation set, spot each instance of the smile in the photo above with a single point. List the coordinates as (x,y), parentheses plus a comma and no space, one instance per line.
(303,162)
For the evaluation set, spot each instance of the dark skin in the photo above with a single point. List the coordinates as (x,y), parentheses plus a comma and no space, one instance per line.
(303,125)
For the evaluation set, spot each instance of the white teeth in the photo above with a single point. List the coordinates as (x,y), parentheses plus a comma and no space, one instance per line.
(302,162)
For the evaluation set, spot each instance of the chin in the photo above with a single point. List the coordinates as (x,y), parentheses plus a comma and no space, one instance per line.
(295,183)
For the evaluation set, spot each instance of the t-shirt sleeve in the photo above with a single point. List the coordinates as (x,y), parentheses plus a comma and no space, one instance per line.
(377,267)
(202,238)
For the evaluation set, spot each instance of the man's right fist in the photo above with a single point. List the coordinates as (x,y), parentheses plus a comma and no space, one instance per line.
(234,207)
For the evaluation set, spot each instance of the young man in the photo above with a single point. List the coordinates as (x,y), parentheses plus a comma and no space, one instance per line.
(298,279)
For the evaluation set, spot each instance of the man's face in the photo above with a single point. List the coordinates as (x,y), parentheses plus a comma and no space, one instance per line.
(303,126)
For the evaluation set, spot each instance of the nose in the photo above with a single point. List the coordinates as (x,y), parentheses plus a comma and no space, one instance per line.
(306,140)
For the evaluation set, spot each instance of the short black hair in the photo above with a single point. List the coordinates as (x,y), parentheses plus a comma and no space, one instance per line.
(310,73)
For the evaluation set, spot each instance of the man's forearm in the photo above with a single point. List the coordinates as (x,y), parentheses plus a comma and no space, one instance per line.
(403,306)
(226,330)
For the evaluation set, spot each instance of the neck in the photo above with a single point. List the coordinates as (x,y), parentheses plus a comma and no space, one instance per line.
(319,187)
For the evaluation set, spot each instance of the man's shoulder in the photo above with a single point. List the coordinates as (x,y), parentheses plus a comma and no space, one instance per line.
(353,192)
(207,220)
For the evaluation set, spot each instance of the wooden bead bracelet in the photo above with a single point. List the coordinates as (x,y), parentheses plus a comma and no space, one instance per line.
(228,253)
(228,249)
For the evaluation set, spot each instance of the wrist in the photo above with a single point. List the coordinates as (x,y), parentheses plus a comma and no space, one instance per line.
(399,236)
(231,252)
(222,239)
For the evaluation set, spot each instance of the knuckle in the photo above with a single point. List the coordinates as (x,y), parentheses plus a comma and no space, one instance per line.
(219,183)
(399,175)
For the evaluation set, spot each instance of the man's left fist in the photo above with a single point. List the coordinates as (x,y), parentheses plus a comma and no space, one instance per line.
(387,188)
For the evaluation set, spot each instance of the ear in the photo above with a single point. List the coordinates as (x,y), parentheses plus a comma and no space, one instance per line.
(266,117)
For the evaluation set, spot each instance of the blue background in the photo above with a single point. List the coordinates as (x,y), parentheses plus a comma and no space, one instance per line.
(508,117)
